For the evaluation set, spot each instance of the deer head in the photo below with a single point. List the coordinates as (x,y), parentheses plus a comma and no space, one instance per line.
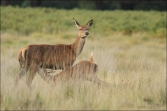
(83,30)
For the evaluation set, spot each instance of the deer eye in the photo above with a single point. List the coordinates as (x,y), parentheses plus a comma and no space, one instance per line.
(80,29)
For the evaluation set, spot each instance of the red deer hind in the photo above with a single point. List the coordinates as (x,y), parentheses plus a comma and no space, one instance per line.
(60,56)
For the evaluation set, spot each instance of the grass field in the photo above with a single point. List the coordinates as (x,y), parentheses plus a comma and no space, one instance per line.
(133,62)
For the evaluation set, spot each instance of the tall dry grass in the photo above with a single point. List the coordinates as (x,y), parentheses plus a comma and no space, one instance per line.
(134,65)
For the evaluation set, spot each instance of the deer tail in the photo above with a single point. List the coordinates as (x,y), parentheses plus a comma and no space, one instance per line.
(21,54)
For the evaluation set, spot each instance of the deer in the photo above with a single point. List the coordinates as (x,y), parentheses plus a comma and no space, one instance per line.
(59,56)
(86,70)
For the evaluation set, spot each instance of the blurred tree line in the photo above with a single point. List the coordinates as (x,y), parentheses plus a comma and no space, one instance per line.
(91,4)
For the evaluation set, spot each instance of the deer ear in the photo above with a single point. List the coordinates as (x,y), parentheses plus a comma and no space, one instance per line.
(89,23)
(91,57)
(76,23)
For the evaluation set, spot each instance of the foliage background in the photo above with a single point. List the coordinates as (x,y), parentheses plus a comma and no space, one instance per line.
(159,5)
(48,20)
(129,48)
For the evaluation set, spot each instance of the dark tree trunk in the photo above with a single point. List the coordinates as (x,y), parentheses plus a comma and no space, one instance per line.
(4,2)
(38,2)
(35,3)
(99,5)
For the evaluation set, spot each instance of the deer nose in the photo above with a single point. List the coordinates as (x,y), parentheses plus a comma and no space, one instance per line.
(87,33)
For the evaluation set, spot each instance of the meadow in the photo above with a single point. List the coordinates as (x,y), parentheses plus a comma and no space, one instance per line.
(129,48)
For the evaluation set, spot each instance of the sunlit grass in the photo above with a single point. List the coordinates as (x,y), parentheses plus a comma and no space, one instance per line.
(135,68)
(129,48)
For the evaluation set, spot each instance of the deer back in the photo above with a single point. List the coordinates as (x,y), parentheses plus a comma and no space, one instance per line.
(50,56)
(83,69)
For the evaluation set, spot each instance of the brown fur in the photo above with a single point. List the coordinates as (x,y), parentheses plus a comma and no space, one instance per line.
(83,70)
(44,56)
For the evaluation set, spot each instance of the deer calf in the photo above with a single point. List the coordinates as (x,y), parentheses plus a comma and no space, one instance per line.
(60,56)
(83,70)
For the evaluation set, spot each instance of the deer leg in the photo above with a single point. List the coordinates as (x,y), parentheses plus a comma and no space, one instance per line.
(33,70)
(45,76)
(67,67)
(22,72)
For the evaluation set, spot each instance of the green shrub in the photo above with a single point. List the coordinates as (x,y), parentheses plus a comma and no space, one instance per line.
(51,20)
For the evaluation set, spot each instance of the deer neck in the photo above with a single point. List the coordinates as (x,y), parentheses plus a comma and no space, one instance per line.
(78,45)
